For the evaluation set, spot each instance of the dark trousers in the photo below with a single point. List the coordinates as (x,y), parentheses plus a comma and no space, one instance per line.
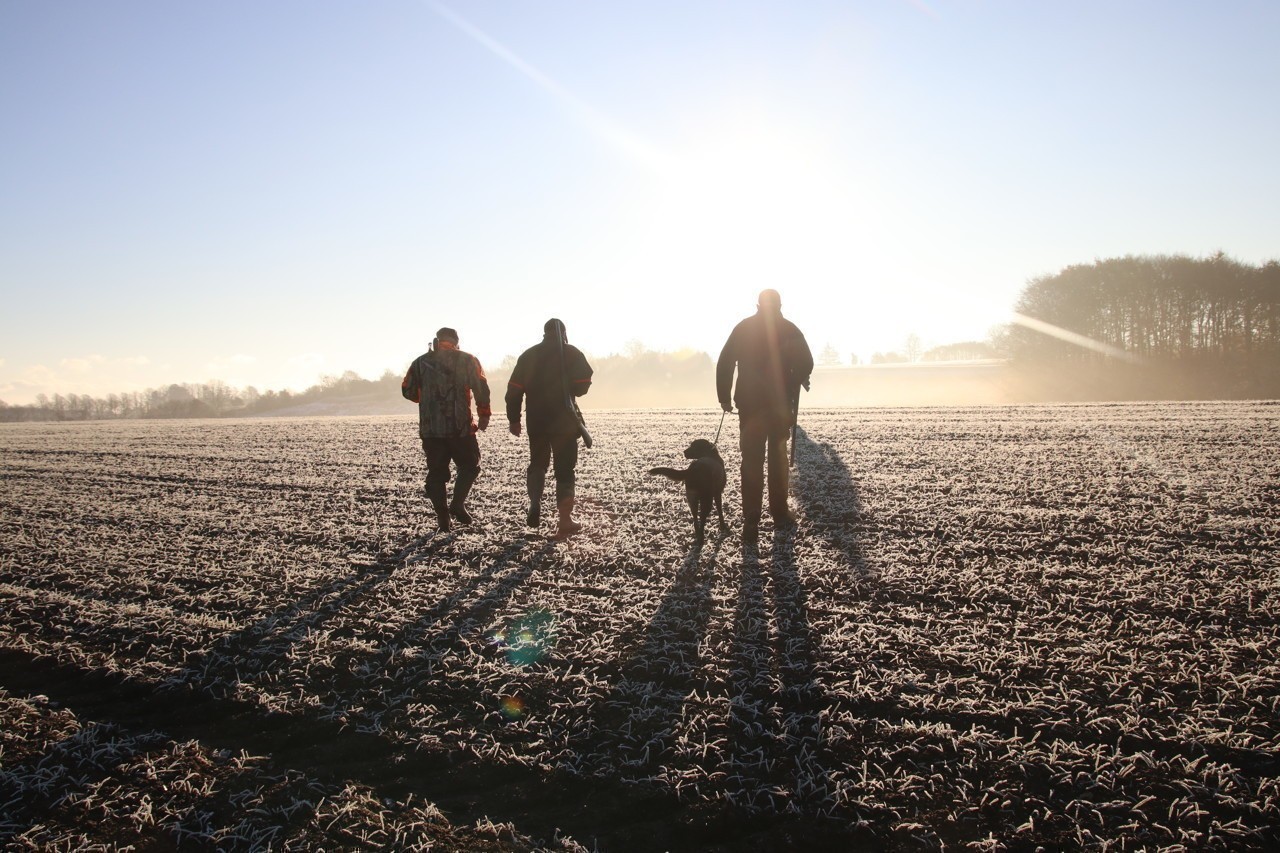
(764,435)
(542,450)
(463,451)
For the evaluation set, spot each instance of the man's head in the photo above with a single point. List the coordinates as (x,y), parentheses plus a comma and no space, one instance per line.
(554,327)
(769,301)
(444,333)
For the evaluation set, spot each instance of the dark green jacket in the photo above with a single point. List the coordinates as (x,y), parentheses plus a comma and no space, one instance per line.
(539,382)
(772,360)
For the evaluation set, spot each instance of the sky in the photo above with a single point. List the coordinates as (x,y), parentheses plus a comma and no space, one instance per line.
(265,193)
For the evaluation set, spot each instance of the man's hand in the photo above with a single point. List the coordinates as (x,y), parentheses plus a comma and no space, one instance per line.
(728,408)
(515,427)
(484,422)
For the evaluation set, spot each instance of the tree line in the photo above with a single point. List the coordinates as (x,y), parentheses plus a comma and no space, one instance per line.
(1149,327)
(637,378)
(213,399)
(1213,321)
(1172,309)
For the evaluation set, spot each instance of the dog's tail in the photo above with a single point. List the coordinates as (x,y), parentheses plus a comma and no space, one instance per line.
(673,473)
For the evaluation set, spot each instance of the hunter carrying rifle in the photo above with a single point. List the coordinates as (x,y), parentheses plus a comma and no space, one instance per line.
(773,363)
(547,378)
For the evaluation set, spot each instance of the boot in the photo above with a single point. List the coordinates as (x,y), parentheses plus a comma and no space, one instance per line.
(783,517)
(535,481)
(779,486)
(564,505)
(567,526)
(436,494)
(461,488)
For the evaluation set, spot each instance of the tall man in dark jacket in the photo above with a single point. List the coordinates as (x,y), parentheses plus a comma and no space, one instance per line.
(546,377)
(773,361)
(441,381)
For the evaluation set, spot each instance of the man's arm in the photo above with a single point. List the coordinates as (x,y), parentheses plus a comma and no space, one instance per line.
(803,366)
(515,394)
(480,387)
(724,373)
(409,388)
(579,373)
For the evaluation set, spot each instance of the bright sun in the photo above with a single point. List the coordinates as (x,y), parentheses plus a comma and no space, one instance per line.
(759,204)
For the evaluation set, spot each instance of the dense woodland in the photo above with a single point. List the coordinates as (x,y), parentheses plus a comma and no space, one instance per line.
(1199,327)
(1169,308)
(1195,327)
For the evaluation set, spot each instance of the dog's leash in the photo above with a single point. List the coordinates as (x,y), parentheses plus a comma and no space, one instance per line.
(717,441)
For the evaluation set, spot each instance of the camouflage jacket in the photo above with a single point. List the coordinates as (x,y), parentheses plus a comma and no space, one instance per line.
(441,382)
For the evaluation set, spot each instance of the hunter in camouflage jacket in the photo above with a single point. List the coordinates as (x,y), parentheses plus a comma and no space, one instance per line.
(442,382)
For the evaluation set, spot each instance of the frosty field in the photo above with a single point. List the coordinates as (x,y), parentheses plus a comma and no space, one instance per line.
(993,628)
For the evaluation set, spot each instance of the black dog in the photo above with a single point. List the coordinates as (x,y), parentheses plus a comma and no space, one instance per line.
(703,483)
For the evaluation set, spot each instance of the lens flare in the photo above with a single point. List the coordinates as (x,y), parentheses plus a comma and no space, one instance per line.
(527,639)
(511,707)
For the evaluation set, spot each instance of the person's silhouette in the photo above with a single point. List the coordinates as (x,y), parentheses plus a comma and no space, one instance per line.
(773,362)
(544,376)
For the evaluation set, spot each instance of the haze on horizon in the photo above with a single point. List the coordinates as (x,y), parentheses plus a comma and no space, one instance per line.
(265,193)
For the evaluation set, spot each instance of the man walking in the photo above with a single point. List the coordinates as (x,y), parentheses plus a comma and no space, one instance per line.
(441,381)
(546,378)
(773,361)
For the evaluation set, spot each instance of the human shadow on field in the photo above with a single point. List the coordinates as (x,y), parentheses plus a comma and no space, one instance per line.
(648,698)
(341,751)
(198,700)
(78,763)
(831,499)
(775,733)
(259,647)
(439,630)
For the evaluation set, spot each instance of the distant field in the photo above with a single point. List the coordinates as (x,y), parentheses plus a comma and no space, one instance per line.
(995,626)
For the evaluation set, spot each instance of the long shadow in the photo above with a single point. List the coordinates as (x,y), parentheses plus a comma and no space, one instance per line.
(252,650)
(197,700)
(834,513)
(751,688)
(779,762)
(829,495)
(654,681)
(775,698)
(72,766)
(331,750)
(441,627)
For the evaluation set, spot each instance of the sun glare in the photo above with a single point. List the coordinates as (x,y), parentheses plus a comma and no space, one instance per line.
(756,197)
(763,203)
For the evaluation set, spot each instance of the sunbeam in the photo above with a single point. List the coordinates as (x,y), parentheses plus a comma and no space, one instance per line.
(618,137)
(1075,338)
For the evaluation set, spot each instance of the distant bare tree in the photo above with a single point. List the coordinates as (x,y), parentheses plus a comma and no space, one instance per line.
(830,357)
(912,348)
